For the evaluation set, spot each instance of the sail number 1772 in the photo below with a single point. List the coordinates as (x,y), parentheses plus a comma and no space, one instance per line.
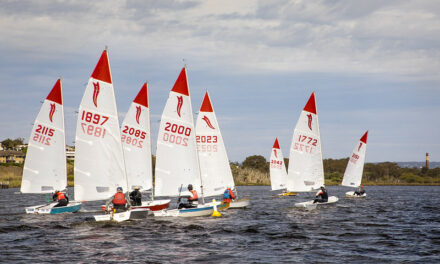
(305,144)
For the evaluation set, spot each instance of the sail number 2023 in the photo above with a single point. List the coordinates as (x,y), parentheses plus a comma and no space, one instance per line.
(305,144)
(95,123)
(177,134)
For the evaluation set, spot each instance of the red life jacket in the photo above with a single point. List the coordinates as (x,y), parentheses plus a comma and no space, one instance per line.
(194,197)
(119,199)
(61,196)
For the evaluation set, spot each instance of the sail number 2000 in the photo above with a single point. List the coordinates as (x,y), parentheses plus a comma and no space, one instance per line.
(177,134)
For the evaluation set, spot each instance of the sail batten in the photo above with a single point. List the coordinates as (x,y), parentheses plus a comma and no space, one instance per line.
(355,165)
(45,165)
(136,141)
(214,163)
(306,170)
(99,163)
(177,162)
(278,173)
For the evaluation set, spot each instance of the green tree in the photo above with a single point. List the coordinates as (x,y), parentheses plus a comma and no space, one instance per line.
(256,162)
(11,143)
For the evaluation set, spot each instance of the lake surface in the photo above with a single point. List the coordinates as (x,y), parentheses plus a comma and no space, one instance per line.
(394,224)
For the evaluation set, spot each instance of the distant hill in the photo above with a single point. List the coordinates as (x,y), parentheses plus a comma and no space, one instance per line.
(418,164)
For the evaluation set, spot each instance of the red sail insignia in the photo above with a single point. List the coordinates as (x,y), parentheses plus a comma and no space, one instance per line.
(52,111)
(309,116)
(275,151)
(208,122)
(138,113)
(96,89)
(360,145)
(179,104)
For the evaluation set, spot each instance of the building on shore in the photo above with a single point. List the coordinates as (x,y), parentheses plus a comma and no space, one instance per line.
(11,156)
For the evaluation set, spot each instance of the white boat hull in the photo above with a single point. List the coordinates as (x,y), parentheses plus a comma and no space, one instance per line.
(241,203)
(352,195)
(133,214)
(201,210)
(310,205)
(151,205)
(71,207)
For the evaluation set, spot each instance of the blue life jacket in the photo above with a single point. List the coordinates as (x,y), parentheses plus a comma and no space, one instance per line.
(226,195)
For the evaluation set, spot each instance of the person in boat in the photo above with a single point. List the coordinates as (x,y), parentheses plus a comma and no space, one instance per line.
(228,195)
(359,191)
(321,196)
(192,200)
(61,198)
(120,201)
(136,197)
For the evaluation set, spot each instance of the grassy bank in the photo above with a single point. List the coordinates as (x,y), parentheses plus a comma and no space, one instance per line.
(255,171)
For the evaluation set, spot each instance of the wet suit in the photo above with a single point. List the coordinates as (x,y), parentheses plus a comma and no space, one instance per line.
(192,200)
(136,198)
(62,199)
(321,197)
(359,191)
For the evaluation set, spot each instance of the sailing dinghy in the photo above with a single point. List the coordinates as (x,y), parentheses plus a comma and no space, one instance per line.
(99,160)
(214,163)
(136,142)
(306,170)
(177,162)
(355,167)
(45,165)
(278,173)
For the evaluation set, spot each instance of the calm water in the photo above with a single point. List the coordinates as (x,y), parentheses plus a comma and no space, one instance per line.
(394,224)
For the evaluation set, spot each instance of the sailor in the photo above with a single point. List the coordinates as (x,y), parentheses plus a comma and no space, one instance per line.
(61,198)
(228,195)
(120,201)
(359,191)
(136,197)
(321,196)
(192,200)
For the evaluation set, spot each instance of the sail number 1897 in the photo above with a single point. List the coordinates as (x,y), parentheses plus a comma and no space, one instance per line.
(93,124)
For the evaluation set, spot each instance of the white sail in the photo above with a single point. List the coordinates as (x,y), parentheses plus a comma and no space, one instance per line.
(306,171)
(214,163)
(278,173)
(45,166)
(176,156)
(99,162)
(355,166)
(136,140)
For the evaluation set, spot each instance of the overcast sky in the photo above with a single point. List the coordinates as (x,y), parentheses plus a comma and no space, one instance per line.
(374,65)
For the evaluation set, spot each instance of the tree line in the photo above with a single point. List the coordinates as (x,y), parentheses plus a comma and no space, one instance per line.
(374,173)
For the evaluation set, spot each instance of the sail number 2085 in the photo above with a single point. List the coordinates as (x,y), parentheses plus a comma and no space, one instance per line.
(177,134)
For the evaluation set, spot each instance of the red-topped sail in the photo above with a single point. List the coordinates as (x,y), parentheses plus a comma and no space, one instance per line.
(311,104)
(102,69)
(206,104)
(181,85)
(276,145)
(55,94)
(364,137)
(142,96)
